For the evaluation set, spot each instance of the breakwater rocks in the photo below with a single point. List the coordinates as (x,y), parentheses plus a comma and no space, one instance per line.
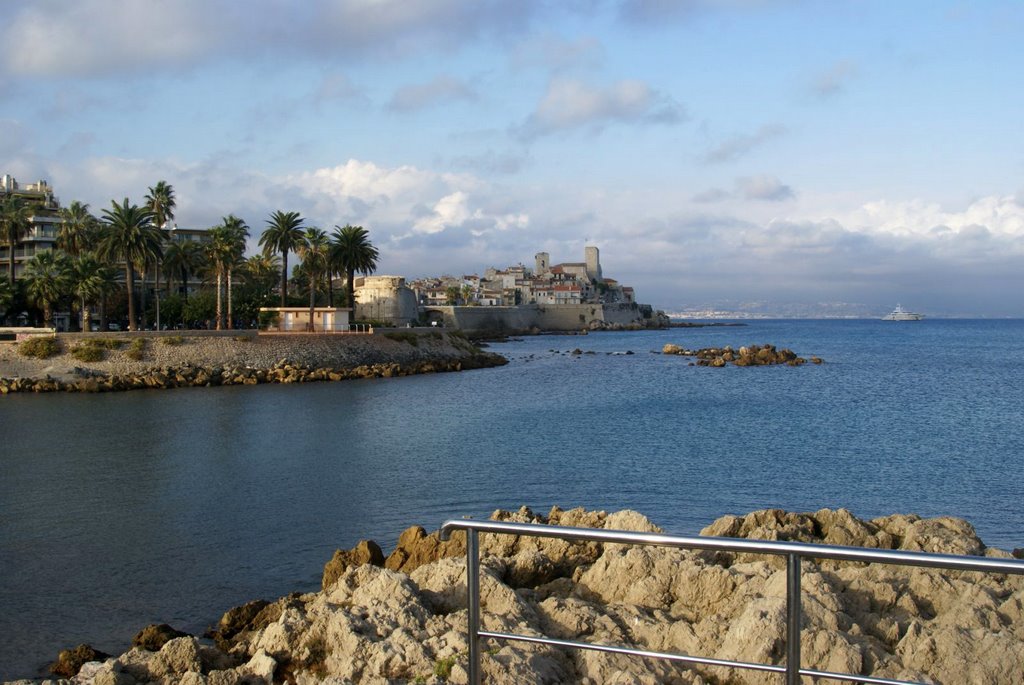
(753,355)
(401,618)
(214,361)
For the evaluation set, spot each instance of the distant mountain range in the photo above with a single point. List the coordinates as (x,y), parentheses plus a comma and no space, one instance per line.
(787,310)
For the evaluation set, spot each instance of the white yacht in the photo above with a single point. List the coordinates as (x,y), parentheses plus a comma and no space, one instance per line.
(900,314)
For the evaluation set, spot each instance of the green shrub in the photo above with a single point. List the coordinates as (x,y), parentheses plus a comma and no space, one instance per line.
(443,667)
(269,320)
(136,349)
(172,340)
(87,352)
(106,343)
(410,338)
(40,348)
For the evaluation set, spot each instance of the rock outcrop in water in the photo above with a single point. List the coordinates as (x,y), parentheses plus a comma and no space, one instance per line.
(402,619)
(753,355)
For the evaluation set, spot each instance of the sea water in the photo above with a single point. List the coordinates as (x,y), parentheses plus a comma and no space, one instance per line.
(120,510)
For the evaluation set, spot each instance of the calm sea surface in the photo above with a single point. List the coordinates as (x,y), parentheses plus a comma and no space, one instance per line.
(121,510)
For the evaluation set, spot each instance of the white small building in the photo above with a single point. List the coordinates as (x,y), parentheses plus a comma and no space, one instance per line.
(296,320)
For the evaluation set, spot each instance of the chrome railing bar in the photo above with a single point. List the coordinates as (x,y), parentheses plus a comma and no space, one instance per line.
(614,649)
(473,601)
(851,678)
(794,552)
(793,619)
(806,550)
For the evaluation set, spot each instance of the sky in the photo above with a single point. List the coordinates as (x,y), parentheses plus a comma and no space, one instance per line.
(718,152)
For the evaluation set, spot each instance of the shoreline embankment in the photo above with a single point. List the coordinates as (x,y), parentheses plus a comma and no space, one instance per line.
(402,618)
(131,361)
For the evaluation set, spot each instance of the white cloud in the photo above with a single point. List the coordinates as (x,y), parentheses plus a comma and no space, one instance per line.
(764,187)
(88,37)
(441,89)
(1003,216)
(556,54)
(570,104)
(834,80)
(733,148)
(113,37)
(711,195)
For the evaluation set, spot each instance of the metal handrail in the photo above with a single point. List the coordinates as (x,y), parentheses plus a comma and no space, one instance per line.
(793,551)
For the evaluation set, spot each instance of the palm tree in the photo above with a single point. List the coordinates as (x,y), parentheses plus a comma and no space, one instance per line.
(283,234)
(182,258)
(237,231)
(352,251)
(130,237)
(47,279)
(315,251)
(261,273)
(161,203)
(6,295)
(219,251)
(78,230)
(451,294)
(91,279)
(15,223)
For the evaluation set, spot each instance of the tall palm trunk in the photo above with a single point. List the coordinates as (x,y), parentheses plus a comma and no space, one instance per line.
(142,297)
(86,317)
(219,309)
(351,292)
(103,312)
(230,325)
(284,278)
(129,279)
(312,302)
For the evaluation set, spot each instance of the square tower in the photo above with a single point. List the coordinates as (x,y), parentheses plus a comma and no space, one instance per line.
(592,257)
(542,263)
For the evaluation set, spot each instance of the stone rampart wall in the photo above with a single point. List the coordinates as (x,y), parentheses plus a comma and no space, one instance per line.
(562,317)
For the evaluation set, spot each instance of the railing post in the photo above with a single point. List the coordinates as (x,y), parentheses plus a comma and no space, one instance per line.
(792,619)
(473,603)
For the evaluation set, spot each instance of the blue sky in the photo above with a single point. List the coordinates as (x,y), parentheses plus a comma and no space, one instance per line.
(717,152)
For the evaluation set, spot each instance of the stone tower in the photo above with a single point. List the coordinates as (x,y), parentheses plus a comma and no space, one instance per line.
(542,262)
(592,257)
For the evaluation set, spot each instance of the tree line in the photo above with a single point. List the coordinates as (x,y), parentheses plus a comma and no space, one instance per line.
(97,259)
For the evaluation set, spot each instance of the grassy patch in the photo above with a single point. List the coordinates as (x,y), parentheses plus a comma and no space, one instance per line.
(136,349)
(39,348)
(87,352)
(105,343)
(443,667)
(410,338)
(172,340)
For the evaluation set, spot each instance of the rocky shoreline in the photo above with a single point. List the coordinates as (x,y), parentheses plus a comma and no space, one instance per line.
(161,362)
(401,618)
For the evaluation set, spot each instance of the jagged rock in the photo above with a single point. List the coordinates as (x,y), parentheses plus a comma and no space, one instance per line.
(69,661)
(237,619)
(365,552)
(178,656)
(378,625)
(155,636)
